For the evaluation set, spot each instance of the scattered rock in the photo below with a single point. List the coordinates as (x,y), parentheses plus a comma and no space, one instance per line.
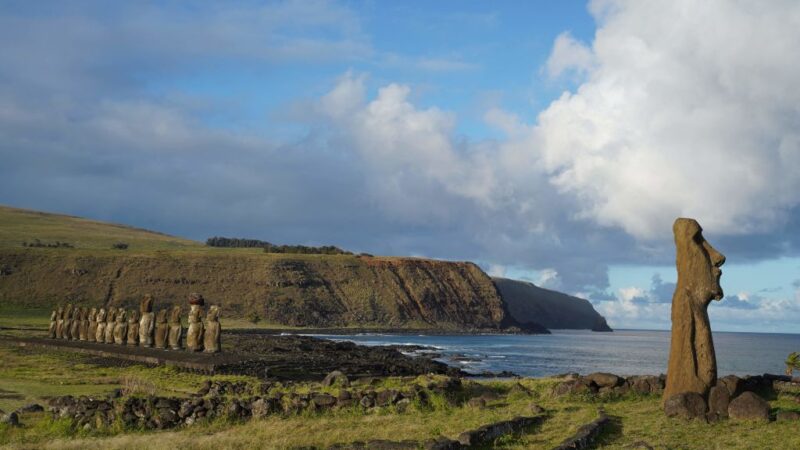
(687,405)
(734,384)
(31,408)
(488,433)
(749,406)
(602,379)
(535,409)
(586,435)
(477,402)
(334,378)
(11,419)
(718,400)
(787,416)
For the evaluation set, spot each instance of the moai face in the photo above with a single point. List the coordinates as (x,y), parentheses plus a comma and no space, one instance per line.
(133,317)
(698,262)
(161,317)
(93,314)
(101,315)
(213,313)
(146,305)
(175,315)
(121,316)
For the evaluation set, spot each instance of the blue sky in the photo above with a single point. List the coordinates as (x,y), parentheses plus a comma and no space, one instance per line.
(548,141)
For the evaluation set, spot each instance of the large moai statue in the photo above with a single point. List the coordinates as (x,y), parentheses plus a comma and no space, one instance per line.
(75,327)
(83,334)
(111,323)
(175,328)
(60,323)
(92,334)
(147,322)
(67,327)
(121,327)
(692,362)
(194,334)
(133,328)
(100,330)
(213,331)
(51,330)
(162,328)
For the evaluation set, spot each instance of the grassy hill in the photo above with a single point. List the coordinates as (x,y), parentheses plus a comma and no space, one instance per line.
(281,289)
(22,225)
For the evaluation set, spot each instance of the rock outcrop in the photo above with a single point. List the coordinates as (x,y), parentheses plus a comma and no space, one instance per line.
(526,302)
(692,363)
(749,406)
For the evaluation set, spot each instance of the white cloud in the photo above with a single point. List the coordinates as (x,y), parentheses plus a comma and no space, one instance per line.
(569,55)
(549,278)
(688,109)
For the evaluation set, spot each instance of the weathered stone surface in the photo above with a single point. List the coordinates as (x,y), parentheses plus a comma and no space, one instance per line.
(133,328)
(121,327)
(749,406)
(84,328)
(194,334)
(60,322)
(535,408)
(602,379)
(686,405)
(175,329)
(51,330)
(734,384)
(488,433)
(336,378)
(100,327)
(66,323)
(718,400)
(212,331)
(161,329)
(147,323)
(75,327)
(477,402)
(111,322)
(323,400)
(692,363)
(30,407)
(92,331)
(586,435)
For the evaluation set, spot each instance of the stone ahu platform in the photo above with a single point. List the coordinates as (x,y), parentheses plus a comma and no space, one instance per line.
(209,363)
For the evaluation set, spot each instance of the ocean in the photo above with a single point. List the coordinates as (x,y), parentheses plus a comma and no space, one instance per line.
(623,352)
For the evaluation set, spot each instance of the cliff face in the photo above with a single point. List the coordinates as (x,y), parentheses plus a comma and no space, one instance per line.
(297,290)
(528,302)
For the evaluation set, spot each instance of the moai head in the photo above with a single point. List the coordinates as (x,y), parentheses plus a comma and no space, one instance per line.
(93,314)
(101,315)
(698,263)
(68,311)
(175,315)
(111,314)
(121,316)
(213,313)
(76,313)
(133,317)
(146,305)
(161,316)
(196,299)
(53,315)
(84,313)
(60,312)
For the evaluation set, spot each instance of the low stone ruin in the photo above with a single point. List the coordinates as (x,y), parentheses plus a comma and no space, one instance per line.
(143,328)
(606,383)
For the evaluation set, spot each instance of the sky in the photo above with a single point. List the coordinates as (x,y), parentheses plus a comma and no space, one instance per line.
(554,142)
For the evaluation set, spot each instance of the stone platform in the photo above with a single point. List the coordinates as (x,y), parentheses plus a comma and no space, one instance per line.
(200,362)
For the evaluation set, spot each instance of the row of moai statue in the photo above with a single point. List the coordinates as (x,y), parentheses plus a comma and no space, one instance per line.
(143,328)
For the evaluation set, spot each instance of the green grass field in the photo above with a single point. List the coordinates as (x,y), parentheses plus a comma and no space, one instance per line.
(32,375)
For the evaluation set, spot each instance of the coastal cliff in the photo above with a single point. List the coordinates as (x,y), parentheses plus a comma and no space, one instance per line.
(527,302)
(294,290)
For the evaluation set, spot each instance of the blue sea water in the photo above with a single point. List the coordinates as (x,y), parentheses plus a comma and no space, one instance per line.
(623,352)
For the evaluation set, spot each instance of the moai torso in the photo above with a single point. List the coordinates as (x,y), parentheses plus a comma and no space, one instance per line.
(67,327)
(212,332)
(111,321)
(75,327)
(121,328)
(133,328)
(100,331)
(147,322)
(175,329)
(161,329)
(91,335)
(84,330)
(51,330)
(60,322)
(194,334)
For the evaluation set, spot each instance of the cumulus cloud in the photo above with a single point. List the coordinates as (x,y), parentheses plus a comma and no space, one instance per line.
(673,120)
(569,55)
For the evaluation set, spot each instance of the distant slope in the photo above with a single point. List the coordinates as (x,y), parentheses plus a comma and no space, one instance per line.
(22,225)
(297,290)
(555,310)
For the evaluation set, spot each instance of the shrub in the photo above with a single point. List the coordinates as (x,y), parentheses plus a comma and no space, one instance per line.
(120,246)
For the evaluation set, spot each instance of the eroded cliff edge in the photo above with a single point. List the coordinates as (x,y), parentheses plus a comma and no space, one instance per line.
(296,290)
(555,310)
